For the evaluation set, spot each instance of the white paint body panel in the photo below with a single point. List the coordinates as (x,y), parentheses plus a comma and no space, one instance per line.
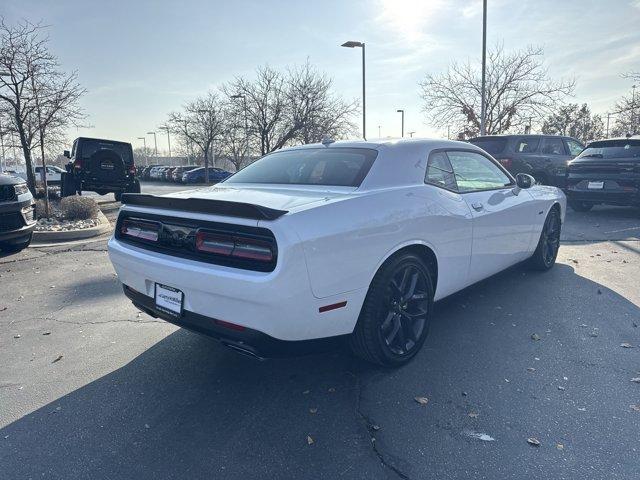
(334,239)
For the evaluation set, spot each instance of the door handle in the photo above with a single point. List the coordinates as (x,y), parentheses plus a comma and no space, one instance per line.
(477,206)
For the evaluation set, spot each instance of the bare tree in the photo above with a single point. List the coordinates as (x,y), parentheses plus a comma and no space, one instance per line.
(574,121)
(41,99)
(201,124)
(518,90)
(289,108)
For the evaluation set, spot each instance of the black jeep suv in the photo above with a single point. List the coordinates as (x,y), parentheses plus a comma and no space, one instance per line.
(544,157)
(101,166)
(17,214)
(606,172)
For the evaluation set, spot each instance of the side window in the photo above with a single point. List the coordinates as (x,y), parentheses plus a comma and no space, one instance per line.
(527,145)
(575,148)
(476,172)
(553,146)
(439,171)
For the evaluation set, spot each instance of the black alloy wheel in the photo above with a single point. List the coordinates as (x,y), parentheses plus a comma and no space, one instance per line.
(394,320)
(407,310)
(545,255)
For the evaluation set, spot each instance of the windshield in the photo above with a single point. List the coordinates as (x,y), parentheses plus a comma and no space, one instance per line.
(612,149)
(491,145)
(337,166)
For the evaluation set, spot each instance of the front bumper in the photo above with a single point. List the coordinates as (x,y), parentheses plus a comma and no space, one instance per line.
(17,218)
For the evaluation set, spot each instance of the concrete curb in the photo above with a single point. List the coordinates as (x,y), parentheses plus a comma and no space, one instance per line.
(103,227)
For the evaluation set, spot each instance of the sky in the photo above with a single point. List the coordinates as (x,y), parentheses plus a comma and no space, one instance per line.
(141,59)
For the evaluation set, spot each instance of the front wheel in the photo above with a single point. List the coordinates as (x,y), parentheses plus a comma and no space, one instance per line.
(549,243)
(17,246)
(580,206)
(394,320)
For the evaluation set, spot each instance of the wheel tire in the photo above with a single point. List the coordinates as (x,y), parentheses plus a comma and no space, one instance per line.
(368,340)
(580,206)
(134,187)
(546,252)
(16,247)
(118,196)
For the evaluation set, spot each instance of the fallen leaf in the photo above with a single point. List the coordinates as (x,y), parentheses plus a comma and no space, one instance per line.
(422,400)
(559,446)
(531,369)
(306,392)
(535,336)
(331,390)
(582,409)
(635,408)
(582,325)
(146,425)
(593,334)
(560,387)
(375,427)
(473,414)
(46,333)
(479,436)
(58,358)
(313,410)
(3,309)
(310,440)
(635,379)
(626,345)
(533,441)
(17,335)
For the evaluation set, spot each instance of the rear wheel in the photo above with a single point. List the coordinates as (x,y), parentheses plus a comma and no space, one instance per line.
(545,255)
(118,196)
(580,206)
(395,316)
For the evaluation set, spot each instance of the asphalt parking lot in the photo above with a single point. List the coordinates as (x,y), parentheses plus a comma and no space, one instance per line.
(91,388)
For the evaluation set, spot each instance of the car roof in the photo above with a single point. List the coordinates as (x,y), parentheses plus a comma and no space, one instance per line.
(103,140)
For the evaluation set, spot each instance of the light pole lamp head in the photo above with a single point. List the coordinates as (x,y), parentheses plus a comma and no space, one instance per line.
(151,133)
(352,44)
(400,110)
(237,96)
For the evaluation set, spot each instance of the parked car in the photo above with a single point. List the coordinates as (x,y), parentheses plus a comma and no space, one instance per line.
(166,174)
(156,172)
(180,171)
(197,175)
(340,239)
(54,174)
(102,166)
(17,213)
(544,157)
(606,172)
(144,174)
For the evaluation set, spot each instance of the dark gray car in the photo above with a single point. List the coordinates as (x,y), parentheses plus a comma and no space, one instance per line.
(17,213)
(545,157)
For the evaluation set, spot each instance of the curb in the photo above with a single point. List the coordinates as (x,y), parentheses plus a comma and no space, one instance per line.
(103,227)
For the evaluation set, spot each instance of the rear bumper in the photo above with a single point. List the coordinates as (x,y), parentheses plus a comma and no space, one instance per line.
(246,341)
(626,197)
(278,304)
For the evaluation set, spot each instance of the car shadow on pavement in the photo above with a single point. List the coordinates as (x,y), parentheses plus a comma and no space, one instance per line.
(187,408)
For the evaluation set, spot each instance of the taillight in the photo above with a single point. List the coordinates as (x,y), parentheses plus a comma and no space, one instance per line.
(148,231)
(234,246)
(505,162)
(132,169)
(77,164)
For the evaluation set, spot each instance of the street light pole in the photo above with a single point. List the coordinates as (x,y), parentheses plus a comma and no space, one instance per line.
(633,109)
(379,134)
(411,134)
(144,144)
(354,44)
(401,111)
(168,138)
(608,117)
(246,122)
(483,104)
(155,142)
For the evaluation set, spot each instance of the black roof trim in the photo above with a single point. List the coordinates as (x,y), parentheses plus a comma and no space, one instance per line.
(204,205)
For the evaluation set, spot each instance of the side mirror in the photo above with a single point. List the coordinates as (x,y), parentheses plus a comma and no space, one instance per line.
(67,153)
(524,180)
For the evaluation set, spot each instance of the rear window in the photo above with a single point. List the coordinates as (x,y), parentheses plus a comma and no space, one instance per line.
(89,147)
(345,167)
(491,145)
(612,149)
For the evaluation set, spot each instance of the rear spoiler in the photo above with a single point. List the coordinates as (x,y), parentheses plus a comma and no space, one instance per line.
(203,205)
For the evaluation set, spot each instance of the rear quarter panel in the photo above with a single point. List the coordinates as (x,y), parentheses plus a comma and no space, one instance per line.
(346,242)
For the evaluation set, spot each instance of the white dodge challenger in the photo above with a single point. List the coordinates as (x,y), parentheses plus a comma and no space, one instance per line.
(351,240)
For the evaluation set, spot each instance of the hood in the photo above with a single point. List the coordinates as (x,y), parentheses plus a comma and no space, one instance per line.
(276,197)
(7,179)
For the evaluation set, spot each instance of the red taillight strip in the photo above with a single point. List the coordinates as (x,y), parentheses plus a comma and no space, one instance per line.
(333,306)
(229,325)
(234,246)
